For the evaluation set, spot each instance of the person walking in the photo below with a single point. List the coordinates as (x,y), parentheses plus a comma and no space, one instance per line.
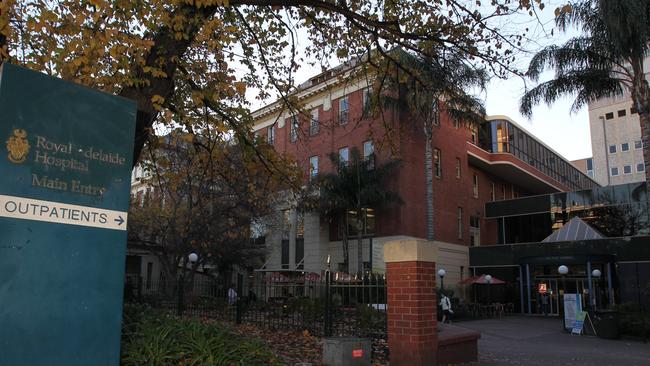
(232,295)
(445,303)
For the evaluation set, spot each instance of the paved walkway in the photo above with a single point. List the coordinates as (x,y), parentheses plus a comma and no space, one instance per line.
(519,340)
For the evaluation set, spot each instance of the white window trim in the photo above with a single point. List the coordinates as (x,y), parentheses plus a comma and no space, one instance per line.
(611,172)
(624,173)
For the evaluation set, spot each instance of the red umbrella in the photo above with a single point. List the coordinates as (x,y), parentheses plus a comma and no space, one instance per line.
(481,281)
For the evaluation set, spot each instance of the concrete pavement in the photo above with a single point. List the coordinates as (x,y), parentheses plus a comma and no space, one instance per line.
(519,340)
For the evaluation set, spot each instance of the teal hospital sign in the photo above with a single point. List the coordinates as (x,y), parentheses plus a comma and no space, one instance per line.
(65,168)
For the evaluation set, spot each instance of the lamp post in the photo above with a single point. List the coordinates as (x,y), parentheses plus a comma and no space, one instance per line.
(441,274)
(563,270)
(192,258)
(596,275)
(488,279)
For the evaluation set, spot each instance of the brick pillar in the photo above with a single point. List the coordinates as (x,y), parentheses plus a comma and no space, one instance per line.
(412,322)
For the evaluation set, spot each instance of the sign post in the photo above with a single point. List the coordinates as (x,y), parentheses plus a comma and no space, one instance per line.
(64,196)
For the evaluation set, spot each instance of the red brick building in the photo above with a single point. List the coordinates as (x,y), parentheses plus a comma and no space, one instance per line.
(471,167)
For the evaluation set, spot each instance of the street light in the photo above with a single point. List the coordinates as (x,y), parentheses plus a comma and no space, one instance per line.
(442,273)
(488,279)
(596,275)
(192,258)
(563,270)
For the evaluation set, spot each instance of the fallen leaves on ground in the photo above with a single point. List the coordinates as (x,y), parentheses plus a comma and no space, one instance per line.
(293,347)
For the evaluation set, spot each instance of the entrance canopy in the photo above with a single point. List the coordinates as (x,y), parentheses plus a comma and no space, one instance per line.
(575,229)
(480,280)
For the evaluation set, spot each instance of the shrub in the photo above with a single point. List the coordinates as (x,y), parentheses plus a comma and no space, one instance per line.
(157,339)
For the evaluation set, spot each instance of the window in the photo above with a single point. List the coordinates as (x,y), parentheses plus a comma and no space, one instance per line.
(609,115)
(474,231)
(366,102)
(313,167)
(622,113)
(474,134)
(625,146)
(459,222)
(614,172)
(314,125)
(493,195)
(503,191)
(640,168)
(612,149)
(435,113)
(458,168)
(344,156)
(475,186)
(455,122)
(367,222)
(638,144)
(369,154)
(437,163)
(368,149)
(271,134)
(590,167)
(293,133)
(343,110)
(627,169)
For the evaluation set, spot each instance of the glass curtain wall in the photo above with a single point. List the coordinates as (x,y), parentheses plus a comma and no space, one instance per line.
(501,136)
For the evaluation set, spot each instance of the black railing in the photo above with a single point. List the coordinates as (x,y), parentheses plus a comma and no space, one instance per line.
(331,304)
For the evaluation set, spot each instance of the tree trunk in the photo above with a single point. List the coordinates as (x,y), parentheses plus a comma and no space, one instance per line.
(346,245)
(359,243)
(644,121)
(428,179)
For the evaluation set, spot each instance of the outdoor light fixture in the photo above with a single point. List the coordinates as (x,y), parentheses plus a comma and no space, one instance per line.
(563,270)
(596,273)
(193,257)
(442,273)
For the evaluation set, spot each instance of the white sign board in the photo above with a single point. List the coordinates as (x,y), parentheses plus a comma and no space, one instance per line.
(572,305)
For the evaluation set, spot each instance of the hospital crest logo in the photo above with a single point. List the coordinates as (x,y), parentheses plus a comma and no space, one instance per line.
(18,147)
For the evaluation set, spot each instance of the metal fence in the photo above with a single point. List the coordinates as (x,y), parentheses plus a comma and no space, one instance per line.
(334,304)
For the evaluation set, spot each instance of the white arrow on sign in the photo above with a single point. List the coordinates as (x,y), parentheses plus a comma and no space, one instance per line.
(61,213)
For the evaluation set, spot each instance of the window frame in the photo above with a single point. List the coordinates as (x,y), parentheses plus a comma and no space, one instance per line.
(475,184)
(628,167)
(313,169)
(642,165)
(614,169)
(458,168)
(459,222)
(610,149)
(314,123)
(344,162)
(270,134)
(294,124)
(437,163)
(623,145)
(344,114)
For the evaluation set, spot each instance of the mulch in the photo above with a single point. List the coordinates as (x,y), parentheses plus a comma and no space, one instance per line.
(301,348)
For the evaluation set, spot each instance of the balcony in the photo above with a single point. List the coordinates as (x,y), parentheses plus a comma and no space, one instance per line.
(508,167)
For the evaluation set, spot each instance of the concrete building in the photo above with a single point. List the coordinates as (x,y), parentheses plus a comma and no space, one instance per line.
(616,140)
(497,161)
(585,165)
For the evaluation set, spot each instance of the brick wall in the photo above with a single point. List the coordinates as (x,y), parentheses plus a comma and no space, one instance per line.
(412,319)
